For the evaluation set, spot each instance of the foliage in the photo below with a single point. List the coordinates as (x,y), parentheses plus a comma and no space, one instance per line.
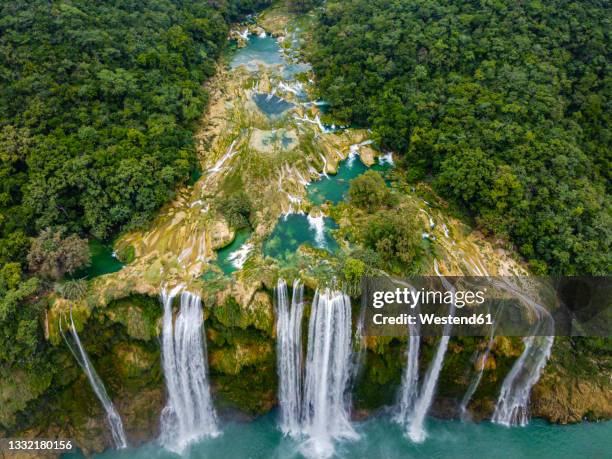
(396,239)
(301,6)
(505,104)
(127,254)
(369,191)
(18,317)
(72,289)
(52,255)
(353,271)
(97,110)
(236,208)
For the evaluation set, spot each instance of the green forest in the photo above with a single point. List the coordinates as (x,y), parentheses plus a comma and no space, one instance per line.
(98,106)
(504,106)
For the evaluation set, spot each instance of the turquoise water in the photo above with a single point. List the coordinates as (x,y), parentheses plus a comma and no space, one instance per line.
(291,232)
(380,438)
(271,105)
(334,188)
(265,51)
(102,261)
(226,255)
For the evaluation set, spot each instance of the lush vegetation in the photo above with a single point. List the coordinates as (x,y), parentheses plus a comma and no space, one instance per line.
(98,105)
(504,105)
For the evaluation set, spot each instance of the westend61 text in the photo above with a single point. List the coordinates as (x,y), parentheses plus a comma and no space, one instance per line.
(432,319)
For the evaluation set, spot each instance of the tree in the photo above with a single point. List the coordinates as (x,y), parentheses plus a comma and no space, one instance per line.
(396,237)
(19,318)
(236,209)
(369,191)
(52,255)
(502,104)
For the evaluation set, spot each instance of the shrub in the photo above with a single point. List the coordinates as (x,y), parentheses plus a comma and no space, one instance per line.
(369,191)
(52,255)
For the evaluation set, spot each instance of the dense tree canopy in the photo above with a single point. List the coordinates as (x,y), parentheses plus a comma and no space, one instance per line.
(505,104)
(98,105)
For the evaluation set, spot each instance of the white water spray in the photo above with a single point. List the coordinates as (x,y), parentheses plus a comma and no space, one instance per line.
(410,379)
(289,355)
(512,406)
(416,430)
(239,257)
(189,414)
(387,158)
(113,418)
(219,164)
(325,412)
(317,225)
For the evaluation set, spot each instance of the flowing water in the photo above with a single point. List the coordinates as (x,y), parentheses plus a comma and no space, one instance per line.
(189,413)
(512,406)
(271,104)
(379,437)
(415,428)
(294,230)
(289,355)
(267,52)
(325,415)
(113,418)
(233,256)
(409,390)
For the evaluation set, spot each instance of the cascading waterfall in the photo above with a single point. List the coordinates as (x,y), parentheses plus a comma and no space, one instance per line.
(512,406)
(189,413)
(482,361)
(410,378)
(416,431)
(289,354)
(317,224)
(325,412)
(113,418)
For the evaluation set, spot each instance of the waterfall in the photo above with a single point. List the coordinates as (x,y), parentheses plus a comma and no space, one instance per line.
(410,379)
(387,158)
(239,257)
(113,418)
(289,355)
(482,361)
(324,412)
(317,224)
(512,406)
(219,164)
(416,431)
(189,413)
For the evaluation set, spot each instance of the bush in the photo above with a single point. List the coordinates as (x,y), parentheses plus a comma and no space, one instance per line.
(236,209)
(52,255)
(396,238)
(72,289)
(369,191)
(127,255)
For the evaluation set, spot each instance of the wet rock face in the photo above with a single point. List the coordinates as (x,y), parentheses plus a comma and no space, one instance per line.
(574,389)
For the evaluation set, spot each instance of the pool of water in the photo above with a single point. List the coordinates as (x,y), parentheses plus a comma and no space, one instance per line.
(102,261)
(233,256)
(380,438)
(266,51)
(294,230)
(334,188)
(271,104)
